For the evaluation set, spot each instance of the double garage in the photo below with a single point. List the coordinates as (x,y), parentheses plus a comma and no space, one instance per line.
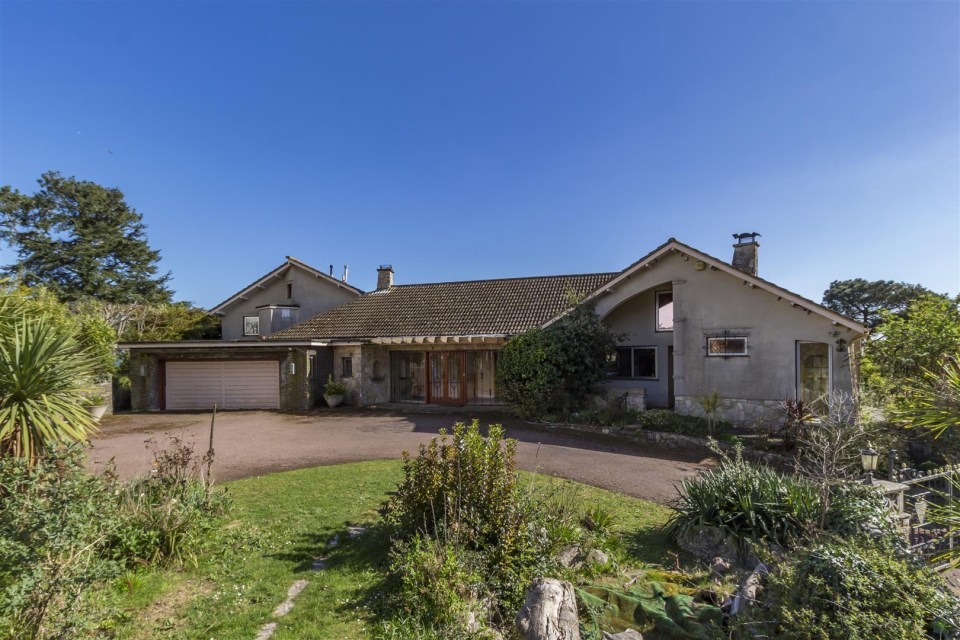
(196,375)
(228,384)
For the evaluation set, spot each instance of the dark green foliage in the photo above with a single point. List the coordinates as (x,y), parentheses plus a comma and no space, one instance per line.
(463,488)
(666,420)
(555,369)
(843,589)
(65,532)
(750,503)
(55,521)
(860,511)
(81,240)
(866,301)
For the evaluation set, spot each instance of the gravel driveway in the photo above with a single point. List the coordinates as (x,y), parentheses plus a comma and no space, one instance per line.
(250,443)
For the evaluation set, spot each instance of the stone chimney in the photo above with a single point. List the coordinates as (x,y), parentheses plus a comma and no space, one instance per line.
(384,277)
(745,252)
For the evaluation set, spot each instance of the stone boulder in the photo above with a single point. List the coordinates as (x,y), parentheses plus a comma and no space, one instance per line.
(550,612)
(569,556)
(597,557)
(629,634)
(708,543)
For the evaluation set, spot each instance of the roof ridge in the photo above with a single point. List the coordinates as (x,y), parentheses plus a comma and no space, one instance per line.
(509,279)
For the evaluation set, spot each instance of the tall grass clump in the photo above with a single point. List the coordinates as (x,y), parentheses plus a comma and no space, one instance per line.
(750,503)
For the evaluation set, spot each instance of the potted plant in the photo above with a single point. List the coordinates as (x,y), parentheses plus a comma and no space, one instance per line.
(333,392)
(96,406)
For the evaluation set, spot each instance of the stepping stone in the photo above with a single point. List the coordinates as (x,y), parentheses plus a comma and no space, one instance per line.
(267,630)
(319,564)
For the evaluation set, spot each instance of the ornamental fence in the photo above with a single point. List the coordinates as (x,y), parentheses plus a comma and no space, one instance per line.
(913,491)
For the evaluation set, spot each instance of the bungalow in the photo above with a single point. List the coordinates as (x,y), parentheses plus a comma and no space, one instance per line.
(688,324)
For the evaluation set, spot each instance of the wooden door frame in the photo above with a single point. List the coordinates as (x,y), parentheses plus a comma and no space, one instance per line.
(445,378)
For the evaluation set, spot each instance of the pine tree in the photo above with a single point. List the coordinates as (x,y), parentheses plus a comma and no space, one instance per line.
(81,240)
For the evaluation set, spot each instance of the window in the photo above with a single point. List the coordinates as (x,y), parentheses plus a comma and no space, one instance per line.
(664,310)
(636,362)
(346,367)
(251,325)
(727,346)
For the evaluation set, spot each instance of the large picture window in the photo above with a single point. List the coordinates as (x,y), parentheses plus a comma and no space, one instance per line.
(636,362)
(251,325)
(664,310)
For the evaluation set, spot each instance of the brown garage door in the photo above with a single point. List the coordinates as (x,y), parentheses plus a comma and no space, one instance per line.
(229,384)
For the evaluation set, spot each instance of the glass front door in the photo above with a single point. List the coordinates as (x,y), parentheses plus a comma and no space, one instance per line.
(813,374)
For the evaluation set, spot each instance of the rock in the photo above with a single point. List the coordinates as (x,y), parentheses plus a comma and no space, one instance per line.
(952,578)
(550,612)
(719,566)
(747,594)
(708,543)
(629,634)
(568,556)
(597,557)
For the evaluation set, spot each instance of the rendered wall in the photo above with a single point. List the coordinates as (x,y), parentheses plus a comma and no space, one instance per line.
(314,295)
(710,301)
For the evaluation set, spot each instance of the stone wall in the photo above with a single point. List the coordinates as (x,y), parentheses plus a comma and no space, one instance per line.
(737,411)
(299,387)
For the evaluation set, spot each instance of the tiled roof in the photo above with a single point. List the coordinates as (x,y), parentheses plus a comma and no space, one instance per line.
(478,307)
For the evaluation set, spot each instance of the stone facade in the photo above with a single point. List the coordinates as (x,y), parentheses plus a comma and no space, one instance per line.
(302,373)
(739,411)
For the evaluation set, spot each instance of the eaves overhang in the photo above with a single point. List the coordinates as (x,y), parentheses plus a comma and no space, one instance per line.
(674,246)
(187,345)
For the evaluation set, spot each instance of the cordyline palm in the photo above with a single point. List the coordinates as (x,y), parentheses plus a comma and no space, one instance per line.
(43,374)
(935,399)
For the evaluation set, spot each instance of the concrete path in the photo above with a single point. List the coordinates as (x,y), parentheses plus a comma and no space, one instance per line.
(250,443)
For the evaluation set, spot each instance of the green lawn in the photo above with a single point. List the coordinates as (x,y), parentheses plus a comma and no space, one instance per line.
(281,523)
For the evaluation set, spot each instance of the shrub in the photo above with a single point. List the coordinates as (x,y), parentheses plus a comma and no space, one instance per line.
(334,388)
(169,514)
(666,420)
(442,582)
(55,519)
(860,511)
(556,368)
(464,488)
(840,589)
(750,503)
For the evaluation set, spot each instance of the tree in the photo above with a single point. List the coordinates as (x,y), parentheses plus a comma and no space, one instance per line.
(866,301)
(558,367)
(907,344)
(81,240)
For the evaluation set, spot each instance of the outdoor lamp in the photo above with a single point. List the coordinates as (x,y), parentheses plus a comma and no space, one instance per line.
(869,458)
(920,507)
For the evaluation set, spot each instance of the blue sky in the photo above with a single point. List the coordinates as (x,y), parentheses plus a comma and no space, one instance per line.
(462,140)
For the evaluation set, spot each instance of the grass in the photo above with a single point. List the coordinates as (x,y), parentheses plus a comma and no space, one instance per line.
(280,524)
